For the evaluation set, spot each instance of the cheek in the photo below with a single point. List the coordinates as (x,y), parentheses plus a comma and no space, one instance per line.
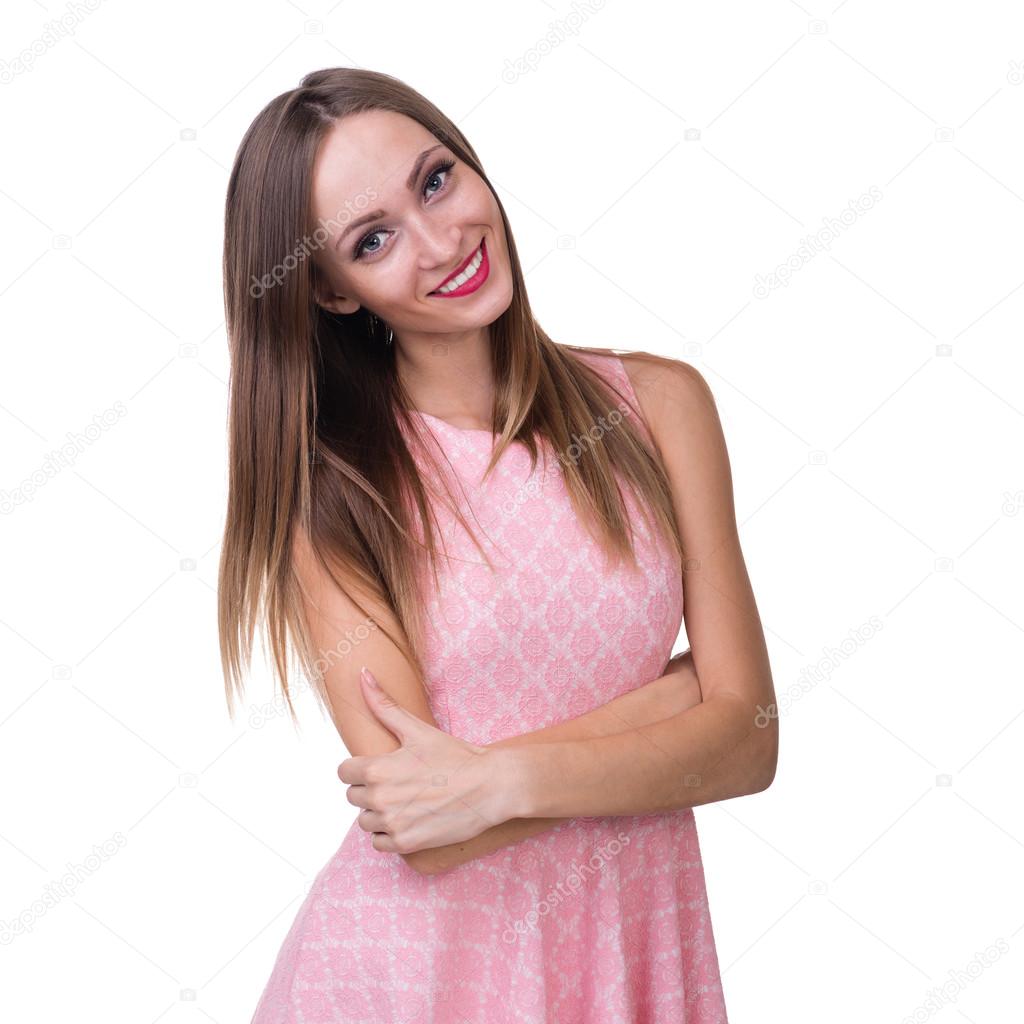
(476,205)
(493,216)
(394,281)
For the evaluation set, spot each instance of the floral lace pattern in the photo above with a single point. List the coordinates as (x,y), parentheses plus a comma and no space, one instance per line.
(599,920)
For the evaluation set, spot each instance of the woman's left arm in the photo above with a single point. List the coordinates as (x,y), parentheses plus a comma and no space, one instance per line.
(726,746)
(719,749)
(435,790)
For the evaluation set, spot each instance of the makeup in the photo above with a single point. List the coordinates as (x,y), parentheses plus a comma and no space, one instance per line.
(474,273)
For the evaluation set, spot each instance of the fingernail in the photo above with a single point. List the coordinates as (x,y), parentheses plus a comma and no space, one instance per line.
(370,678)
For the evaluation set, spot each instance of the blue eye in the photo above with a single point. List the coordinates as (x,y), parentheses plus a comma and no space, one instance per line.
(440,168)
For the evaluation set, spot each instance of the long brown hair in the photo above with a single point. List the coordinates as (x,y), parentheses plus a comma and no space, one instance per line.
(315,447)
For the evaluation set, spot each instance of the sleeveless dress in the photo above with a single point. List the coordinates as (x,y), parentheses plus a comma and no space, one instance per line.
(600,920)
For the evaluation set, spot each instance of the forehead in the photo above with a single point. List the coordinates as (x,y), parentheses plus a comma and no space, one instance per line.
(374,150)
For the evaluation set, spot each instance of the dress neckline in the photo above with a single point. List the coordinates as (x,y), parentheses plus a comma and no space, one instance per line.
(451,426)
(490,433)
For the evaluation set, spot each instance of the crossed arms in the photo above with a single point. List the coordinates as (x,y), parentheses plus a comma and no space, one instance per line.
(695,735)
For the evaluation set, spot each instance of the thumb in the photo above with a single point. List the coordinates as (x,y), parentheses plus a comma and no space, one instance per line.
(386,708)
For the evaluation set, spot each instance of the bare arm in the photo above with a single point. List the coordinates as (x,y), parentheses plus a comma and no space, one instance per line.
(333,616)
(717,750)
(726,746)
(668,695)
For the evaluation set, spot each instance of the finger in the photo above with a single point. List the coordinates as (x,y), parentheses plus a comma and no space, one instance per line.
(353,769)
(370,821)
(357,796)
(383,843)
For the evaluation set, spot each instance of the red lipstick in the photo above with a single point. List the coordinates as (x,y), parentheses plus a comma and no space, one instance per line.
(471,285)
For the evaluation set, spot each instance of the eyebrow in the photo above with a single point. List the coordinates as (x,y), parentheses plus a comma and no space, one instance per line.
(410,184)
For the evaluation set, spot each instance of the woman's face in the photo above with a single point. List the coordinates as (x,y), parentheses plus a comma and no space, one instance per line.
(433,218)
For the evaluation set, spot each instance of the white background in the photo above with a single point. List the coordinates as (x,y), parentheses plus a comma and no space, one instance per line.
(656,161)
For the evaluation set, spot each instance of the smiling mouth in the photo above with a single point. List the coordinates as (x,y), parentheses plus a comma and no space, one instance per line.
(465,273)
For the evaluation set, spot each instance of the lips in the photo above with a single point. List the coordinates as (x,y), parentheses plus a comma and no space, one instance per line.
(462,266)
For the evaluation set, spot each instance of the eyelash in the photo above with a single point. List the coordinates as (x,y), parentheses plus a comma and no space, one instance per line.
(439,168)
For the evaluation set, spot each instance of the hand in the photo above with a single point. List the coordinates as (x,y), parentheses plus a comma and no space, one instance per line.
(435,789)
(684,691)
(680,663)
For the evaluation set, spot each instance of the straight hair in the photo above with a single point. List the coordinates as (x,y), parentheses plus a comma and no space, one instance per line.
(316,453)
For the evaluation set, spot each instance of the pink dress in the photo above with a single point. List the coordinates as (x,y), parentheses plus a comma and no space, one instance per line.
(600,920)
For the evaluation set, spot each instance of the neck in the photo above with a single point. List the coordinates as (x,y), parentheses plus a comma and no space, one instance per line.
(449,376)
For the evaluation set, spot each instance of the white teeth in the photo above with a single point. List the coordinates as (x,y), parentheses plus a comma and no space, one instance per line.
(473,267)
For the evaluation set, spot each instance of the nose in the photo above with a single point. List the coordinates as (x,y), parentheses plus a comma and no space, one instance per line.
(440,245)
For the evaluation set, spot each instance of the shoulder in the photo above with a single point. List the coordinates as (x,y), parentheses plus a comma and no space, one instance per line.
(680,409)
(605,362)
(673,395)
(655,377)
(594,357)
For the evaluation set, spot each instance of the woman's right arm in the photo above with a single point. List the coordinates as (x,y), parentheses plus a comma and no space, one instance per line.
(333,619)
(672,693)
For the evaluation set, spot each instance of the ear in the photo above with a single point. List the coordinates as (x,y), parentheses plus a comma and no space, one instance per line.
(336,303)
(325,296)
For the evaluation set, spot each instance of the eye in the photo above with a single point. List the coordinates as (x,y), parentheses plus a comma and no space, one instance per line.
(438,170)
(442,168)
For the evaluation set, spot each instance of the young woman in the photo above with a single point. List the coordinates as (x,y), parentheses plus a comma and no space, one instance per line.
(501,529)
